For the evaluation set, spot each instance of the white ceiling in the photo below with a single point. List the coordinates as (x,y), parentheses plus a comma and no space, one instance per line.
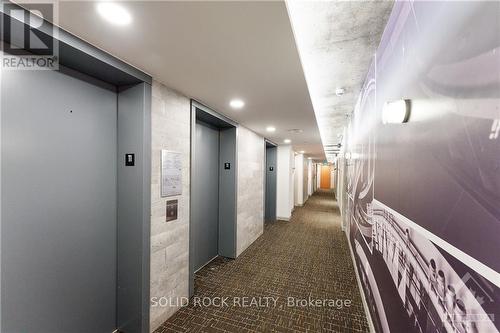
(336,41)
(213,52)
(216,51)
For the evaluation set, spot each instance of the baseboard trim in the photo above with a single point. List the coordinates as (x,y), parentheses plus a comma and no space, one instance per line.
(281,218)
(361,290)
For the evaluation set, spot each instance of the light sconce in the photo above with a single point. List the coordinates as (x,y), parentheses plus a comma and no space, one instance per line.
(396,112)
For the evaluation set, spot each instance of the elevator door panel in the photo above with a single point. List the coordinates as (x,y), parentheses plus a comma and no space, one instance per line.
(58,204)
(271,183)
(206,202)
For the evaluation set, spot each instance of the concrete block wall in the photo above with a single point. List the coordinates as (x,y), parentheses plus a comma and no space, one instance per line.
(170,120)
(250,197)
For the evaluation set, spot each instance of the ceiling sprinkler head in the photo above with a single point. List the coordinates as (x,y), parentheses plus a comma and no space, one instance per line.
(339,91)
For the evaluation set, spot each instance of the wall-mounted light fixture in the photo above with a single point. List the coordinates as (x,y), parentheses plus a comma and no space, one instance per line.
(396,112)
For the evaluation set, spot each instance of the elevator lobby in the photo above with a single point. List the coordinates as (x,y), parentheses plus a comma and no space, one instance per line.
(249,166)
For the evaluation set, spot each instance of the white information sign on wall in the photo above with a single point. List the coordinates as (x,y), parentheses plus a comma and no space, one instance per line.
(171,173)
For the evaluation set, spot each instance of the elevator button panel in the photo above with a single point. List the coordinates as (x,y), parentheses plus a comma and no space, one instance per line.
(171,210)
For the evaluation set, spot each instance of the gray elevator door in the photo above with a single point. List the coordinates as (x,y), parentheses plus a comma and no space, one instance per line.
(271,153)
(58,239)
(206,196)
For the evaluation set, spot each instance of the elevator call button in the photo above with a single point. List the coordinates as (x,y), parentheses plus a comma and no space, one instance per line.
(129,159)
(227,166)
(171,210)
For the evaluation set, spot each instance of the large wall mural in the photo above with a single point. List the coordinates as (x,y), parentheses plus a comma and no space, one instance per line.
(422,210)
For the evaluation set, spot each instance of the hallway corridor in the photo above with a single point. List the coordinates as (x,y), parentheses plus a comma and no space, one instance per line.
(307,257)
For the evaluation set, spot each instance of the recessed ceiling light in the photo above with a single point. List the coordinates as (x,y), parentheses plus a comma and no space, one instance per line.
(114,13)
(287,141)
(302,152)
(237,103)
(270,128)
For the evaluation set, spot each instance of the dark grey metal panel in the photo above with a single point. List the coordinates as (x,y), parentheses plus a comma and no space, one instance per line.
(271,155)
(79,55)
(207,115)
(216,122)
(133,234)
(209,118)
(192,186)
(227,193)
(205,209)
(269,143)
(58,204)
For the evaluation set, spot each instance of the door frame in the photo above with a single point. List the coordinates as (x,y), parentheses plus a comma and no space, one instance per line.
(133,185)
(266,143)
(211,117)
(323,166)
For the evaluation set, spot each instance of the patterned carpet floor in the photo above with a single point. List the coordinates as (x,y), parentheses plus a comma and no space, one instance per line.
(270,286)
